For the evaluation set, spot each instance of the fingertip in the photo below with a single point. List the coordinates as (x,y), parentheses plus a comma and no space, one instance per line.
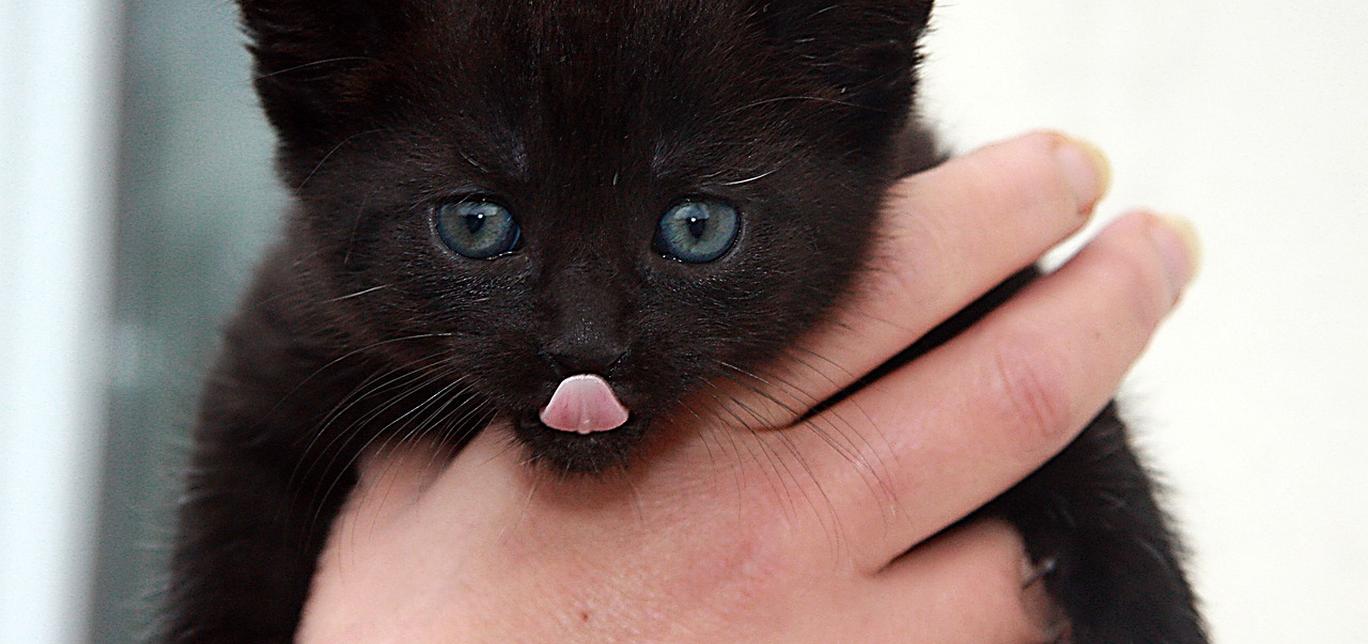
(975,572)
(1085,168)
(1171,240)
(1043,613)
(1180,248)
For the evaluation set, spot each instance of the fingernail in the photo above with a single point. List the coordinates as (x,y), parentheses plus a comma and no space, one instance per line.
(1179,248)
(1086,169)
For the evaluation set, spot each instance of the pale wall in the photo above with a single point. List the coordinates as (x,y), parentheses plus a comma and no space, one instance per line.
(1250,118)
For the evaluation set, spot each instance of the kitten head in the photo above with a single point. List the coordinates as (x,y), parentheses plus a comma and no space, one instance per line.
(643,191)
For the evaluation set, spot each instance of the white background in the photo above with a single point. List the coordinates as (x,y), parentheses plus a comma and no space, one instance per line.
(1251,118)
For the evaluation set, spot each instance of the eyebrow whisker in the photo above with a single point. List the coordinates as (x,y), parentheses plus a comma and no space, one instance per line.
(757,177)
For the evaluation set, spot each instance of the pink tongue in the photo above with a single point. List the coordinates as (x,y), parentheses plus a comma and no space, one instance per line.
(584,404)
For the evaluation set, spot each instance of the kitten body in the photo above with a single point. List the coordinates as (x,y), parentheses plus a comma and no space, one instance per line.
(587,121)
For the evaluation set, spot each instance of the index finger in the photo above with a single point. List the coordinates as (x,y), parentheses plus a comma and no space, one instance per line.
(952,430)
(948,236)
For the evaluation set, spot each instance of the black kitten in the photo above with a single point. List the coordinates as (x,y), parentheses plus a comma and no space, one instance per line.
(495,196)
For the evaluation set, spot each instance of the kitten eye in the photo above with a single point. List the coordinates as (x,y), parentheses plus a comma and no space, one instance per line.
(477,229)
(697,232)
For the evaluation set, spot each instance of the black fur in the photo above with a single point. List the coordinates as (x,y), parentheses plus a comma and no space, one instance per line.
(587,119)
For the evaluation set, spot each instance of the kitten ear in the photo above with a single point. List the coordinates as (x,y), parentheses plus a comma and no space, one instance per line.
(866,51)
(315,59)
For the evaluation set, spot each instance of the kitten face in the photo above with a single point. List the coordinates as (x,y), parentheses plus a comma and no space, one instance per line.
(583,124)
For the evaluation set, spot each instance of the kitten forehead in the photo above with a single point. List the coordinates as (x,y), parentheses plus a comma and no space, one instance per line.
(600,78)
(582,81)
(569,92)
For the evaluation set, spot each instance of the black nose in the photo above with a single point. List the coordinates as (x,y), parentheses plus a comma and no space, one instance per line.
(594,358)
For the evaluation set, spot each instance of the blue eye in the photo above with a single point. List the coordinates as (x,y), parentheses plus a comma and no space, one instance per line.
(477,229)
(697,232)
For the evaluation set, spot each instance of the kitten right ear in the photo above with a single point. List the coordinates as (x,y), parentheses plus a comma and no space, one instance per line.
(865,50)
(316,60)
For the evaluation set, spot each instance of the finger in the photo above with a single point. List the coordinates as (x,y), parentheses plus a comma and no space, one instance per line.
(948,236)
(967,585)
(390,479)
(492,462)
(432,484)
(939,437)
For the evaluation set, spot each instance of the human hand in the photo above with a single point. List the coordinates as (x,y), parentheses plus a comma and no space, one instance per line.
(753,523)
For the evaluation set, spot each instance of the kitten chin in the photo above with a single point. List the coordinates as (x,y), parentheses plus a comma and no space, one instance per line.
(580,454)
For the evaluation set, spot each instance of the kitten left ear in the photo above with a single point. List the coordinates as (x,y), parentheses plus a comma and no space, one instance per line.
(314,58)
(866,51)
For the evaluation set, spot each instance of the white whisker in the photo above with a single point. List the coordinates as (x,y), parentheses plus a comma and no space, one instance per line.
(757,177)
(357,294)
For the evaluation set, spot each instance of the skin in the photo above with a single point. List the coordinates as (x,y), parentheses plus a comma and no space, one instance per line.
(782,533)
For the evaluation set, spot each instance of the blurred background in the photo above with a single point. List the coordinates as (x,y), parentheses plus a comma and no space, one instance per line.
(136,191)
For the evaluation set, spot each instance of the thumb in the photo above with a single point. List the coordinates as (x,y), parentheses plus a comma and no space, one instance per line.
(391,478)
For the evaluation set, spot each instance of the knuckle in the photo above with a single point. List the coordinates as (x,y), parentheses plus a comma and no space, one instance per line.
(1033,391)
(913,254)
(1044,176)
(1022,175)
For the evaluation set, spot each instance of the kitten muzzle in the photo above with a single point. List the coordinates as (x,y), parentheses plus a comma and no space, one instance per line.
(584,404)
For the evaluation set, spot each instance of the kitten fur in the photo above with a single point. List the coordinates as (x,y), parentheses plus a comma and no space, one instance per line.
(588,120)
